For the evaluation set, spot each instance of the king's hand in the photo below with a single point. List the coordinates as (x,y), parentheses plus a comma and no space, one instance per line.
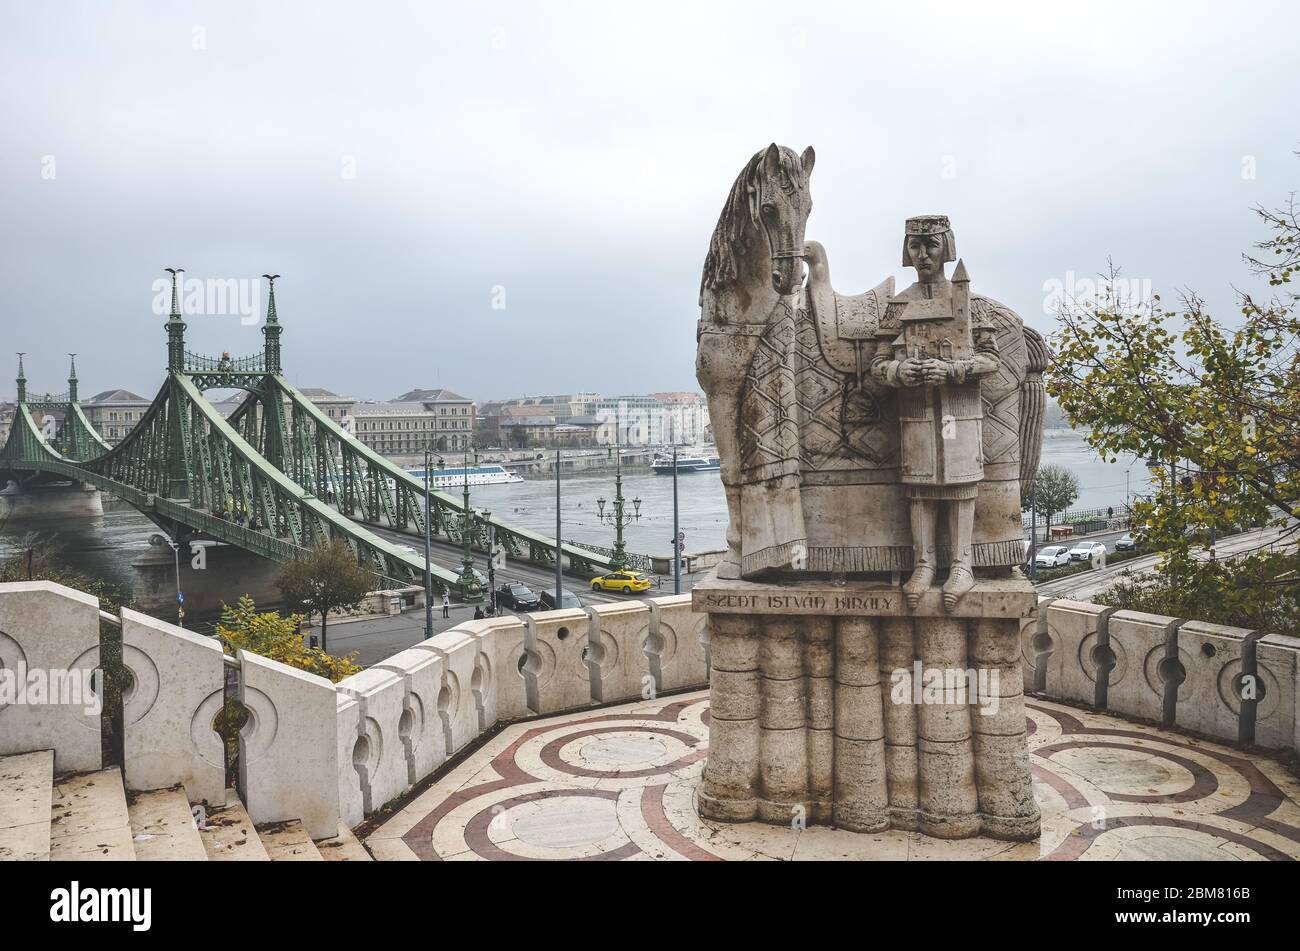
(936,371)
(912,372)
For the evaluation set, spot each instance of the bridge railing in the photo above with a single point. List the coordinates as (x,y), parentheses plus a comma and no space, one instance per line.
(198,363)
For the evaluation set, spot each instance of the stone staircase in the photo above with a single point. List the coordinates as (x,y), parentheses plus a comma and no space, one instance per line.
(91,816)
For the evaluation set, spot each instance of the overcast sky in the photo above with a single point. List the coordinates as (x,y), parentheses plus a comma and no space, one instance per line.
(401,164)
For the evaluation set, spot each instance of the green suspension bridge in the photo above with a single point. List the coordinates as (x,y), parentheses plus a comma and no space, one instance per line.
(276,478)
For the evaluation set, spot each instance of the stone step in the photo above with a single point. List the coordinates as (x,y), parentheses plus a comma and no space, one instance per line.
(26,792)
(89,819)
(228,835)
(344,847)
(288,842)
(163,828)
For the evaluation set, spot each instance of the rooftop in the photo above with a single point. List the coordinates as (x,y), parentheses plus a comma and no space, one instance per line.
(319,393)
(432,396)
(116,396)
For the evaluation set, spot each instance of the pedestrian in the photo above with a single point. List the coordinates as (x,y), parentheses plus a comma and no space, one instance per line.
(478,612)
(446,605)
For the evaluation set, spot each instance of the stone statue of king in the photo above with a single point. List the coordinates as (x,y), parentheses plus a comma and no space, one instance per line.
(928,347)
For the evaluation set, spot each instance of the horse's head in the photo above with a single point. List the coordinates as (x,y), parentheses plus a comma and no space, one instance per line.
(770,198)
(780,202)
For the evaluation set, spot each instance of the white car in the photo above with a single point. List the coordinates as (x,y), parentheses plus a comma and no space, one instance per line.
(1053,556)
(1087,551)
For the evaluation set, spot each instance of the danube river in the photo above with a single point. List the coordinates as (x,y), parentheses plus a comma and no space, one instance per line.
(106,545)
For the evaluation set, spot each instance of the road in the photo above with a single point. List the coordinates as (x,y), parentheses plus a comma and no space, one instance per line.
(374,638)
(536,577)
(1088,584)
(379,637)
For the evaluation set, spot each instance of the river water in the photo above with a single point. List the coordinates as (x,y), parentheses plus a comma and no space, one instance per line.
(106,545)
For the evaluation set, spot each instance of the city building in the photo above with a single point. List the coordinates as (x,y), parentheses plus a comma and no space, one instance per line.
(658,419)
(114,413)
(337,408)
(439,419)
(7,412)
(561,406)
(685,418)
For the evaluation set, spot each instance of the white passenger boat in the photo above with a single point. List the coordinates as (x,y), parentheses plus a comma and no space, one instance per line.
(453,477)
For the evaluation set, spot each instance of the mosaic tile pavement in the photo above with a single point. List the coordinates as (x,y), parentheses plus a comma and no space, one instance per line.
(619,784)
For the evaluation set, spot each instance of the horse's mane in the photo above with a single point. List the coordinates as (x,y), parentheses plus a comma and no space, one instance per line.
(740,213)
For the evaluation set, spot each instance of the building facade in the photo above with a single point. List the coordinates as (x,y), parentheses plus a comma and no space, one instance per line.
(438,419)
(337,408)
(114,413)
(657,419)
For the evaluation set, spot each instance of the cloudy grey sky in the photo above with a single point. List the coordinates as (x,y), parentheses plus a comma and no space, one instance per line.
(398,162)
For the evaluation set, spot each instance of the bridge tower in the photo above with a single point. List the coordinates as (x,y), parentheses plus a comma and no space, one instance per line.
(22,381)
(271,329)
(72,379)
(178,479)
(175,328)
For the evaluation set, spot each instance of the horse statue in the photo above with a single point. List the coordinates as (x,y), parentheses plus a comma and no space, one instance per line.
(749,291)
(798,418)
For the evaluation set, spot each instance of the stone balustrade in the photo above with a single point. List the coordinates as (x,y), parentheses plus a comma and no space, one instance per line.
(1226,683)
(323,752)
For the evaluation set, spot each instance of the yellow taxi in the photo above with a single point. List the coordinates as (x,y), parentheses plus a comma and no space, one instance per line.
(625,581)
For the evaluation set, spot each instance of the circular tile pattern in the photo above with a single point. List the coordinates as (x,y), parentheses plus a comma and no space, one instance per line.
(621,783)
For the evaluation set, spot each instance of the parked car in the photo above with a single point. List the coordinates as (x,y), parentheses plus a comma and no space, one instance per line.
(518,596)
(1087,551)
(567,600)
(1126,542)
(625,581)
(1052,556)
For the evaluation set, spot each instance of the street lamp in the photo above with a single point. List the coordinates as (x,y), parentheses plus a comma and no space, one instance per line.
(559,546)
(428,570)
(470,591)
(618,517)
(677,539)
(176,554)
(486,516)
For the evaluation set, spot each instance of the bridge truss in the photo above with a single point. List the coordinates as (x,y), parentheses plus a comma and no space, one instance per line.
(276,478)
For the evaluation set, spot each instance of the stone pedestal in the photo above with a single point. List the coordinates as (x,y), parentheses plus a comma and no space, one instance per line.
(834,704)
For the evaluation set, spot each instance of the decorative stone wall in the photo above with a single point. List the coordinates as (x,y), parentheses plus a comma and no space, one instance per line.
(288,760)
(46,629)
(177,690)
(326,753)
(1226,683)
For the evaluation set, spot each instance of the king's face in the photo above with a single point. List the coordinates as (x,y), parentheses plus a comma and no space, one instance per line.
(926,252)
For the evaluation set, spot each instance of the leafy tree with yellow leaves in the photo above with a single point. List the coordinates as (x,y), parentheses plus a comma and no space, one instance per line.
(1215,409)
(277,637)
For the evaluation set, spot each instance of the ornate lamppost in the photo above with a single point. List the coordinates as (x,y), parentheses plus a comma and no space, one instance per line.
(471,591)
(485,516)
(618,516)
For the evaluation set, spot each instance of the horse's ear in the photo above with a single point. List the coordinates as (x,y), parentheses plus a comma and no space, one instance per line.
(808,160)
(772,160)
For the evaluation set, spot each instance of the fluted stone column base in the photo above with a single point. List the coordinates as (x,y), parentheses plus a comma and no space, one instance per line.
(834,705)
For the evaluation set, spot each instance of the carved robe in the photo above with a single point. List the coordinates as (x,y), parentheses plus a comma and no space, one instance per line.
(772,522)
